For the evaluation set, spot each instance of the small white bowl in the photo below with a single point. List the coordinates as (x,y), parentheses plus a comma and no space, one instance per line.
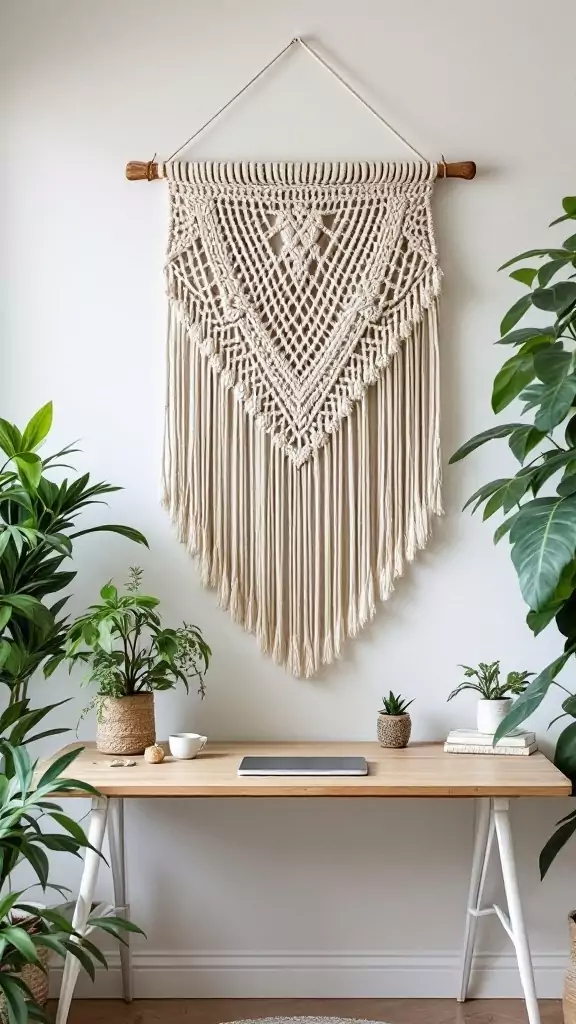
(186,745)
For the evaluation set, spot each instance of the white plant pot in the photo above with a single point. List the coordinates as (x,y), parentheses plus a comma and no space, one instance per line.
(489,714)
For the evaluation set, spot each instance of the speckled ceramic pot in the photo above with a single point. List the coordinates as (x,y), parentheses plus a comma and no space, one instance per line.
(394,730)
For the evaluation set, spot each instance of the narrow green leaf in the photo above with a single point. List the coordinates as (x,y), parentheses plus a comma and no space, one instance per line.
(515,313)
(514,376)
(527,334)
(479,439)
(124,531)
(557,840)
(533,695)
(21,941)
(529,254)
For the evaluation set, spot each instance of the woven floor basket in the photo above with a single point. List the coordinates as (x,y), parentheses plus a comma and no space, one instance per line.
(569,1000)
(126,724)
(36,980)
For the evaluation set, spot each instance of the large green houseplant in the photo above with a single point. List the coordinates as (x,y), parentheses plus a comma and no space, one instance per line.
(538,502)
(37,535)
(26,930)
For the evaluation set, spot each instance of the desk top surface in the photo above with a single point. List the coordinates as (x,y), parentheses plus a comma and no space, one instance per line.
(420,770)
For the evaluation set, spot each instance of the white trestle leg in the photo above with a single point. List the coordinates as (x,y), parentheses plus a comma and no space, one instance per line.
(493,817)
(480,858)
(84,902)
(118,865)
(518,932)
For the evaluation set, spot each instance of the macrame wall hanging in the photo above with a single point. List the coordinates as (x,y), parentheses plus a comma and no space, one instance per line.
(301,459)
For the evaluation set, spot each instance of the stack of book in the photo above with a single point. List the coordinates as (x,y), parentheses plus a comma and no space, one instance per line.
(469,741)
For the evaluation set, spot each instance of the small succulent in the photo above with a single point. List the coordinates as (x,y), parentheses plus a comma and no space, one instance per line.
(486,681)
(394,704)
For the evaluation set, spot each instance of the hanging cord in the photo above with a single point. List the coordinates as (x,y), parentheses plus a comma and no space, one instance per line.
(360,98)
(328,68)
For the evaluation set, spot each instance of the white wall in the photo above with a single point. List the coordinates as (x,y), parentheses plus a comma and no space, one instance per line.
(234,896)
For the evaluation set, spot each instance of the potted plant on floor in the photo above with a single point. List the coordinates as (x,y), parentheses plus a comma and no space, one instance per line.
(38,532)
(495,694)
(28,933)
(394,722)
(539,501)
(130,655)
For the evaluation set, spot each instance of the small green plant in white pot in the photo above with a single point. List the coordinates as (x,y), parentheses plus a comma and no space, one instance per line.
(495,694)
(394,722)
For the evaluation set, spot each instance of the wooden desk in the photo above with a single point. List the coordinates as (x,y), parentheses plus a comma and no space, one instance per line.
(421,770)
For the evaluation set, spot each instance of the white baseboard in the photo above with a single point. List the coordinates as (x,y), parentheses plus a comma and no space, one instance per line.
(171,974)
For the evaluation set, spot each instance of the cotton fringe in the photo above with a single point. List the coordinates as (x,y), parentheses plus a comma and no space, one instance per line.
(300,554)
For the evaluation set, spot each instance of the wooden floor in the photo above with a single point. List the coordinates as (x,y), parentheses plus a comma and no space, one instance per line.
(393,1011)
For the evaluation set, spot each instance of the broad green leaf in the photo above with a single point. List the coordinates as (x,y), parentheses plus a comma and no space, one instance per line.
(30,608)
(567,484)
(556,298)
(527,334)
(515,313)
(552,363)
(533,695)
(565,754)
(514,376)
(29,468)
(526,275)
(21,941)
(105,635)
(479,439)
(548,271)
(38,427)
(557,840)
(554,402)
(537,621)
(507,496)
(109,592)
(566,616)
(523,440)
(5,615)
(570,243)
(543,540)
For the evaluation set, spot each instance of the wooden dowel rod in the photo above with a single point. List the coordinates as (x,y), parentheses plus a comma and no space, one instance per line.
(136,170)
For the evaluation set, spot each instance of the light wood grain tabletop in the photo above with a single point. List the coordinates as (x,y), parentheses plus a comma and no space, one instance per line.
(420,770)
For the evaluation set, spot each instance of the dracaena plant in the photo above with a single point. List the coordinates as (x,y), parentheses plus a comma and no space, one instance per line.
(28,815)
(38,531)
(485,680)
(126,648)
(538,502)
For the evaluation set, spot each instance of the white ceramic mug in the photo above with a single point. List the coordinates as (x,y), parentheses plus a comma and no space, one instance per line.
(186,745)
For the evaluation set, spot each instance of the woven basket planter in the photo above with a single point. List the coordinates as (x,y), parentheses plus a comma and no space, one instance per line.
(394,730)
(126,724)
(35,978)
(569,998)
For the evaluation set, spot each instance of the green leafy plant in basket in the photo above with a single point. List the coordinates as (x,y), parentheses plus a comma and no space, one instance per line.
(38,531)
(130,654)
(28,815)
(538,502)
